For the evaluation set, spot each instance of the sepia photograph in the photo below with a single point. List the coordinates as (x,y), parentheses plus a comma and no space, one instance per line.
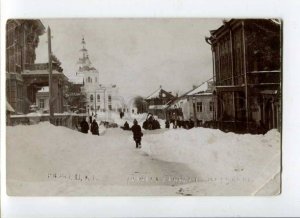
(143,106)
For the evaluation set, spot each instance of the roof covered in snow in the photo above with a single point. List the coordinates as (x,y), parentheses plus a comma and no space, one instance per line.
(44,89)
(204,88)
(159,93)
(158,107)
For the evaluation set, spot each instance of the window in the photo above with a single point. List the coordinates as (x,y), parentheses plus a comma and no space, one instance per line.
(211,106)
(91,98)
(41,103)
(98,98)
(109,102)
(199,106)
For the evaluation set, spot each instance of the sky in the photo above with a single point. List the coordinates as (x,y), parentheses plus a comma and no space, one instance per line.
(138,55)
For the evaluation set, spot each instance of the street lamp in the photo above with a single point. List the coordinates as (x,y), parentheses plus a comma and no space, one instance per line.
(194,108)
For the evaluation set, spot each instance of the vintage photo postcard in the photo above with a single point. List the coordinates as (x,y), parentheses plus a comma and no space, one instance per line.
(143,107)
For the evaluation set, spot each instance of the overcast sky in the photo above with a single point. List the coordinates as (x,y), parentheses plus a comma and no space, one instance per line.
(138,55)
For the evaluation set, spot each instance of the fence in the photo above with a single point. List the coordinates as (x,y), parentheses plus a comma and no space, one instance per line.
(68,120)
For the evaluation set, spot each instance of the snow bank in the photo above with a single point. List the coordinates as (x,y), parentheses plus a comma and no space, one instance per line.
(35,151)
(215,154)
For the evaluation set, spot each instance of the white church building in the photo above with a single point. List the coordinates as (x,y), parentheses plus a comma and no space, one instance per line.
(99,98)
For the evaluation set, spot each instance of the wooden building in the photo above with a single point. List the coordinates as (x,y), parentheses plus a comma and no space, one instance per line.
(195,105)
(247,73)
(158,102)
(23,76)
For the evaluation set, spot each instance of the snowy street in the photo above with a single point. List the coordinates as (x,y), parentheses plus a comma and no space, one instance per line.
(50,160)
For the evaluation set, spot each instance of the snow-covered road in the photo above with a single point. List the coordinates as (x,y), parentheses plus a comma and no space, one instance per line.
(48,160)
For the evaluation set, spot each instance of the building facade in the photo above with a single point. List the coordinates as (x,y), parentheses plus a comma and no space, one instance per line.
(42,99)
(99,98)
(23,76)
(247,72)
(158,102)
(196,104)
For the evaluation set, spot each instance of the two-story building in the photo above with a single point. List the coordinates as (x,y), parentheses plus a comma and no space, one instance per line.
(159,101)
(24,78)
(247,73)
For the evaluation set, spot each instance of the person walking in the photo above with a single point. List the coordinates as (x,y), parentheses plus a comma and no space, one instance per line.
(167,124)
(94,128)
(84,126)
(137,133)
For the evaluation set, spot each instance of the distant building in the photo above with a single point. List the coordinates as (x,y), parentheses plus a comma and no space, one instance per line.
(23,76)
(98,97)
(158,102)
(42,99)
(197,103)
(247,73)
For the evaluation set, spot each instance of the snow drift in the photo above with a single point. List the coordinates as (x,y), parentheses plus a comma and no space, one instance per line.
(223,163)
(215,155)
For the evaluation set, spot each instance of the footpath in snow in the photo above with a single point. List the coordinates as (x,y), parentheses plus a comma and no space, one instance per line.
(48,160)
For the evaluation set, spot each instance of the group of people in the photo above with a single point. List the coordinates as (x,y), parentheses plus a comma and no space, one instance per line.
(176,121)
(93,126)
(181,124)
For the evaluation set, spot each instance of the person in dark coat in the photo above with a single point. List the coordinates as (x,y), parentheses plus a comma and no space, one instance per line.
(137,133)
(121,114)
(167,123)
(91,119)
(126,126)
(84,126)
(94,128)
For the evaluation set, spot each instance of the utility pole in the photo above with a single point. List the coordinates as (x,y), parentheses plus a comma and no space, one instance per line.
(50,76)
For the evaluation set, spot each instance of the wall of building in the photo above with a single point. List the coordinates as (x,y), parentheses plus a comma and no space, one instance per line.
(204,113)
(104,99)
(186,105)
(14,91)
(22,38)
(45,98)
(247,62)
